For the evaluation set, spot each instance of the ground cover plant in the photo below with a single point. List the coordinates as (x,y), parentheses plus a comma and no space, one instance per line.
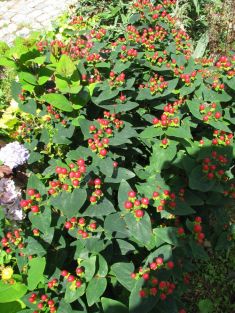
(130,164)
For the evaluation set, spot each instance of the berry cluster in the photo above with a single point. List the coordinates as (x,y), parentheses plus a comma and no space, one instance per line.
(12,240)
(116,80)
(32,204)
(217,85)
(148,38)
(68,178)
(42,45)
(100,141)
(127,55)
(153,285)
(75,281)
(83,227)
(155,58)
(167,118)
(197,230)
(52,283)
(135,205)
(97,193)
(77,20)
(214,166)
(43,302)
(224,63)
(208,111)
(155,85)
(188,78)
(93,58)
(164,200)
(222,138)
(99,34)
(230,192)
(55,116)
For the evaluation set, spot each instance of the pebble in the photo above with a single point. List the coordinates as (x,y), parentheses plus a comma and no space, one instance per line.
(20,17)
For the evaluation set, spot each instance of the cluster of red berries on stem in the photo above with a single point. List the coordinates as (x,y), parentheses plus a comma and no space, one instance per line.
(57,116)
(12,240)
(188,78)
(82,226)
(155,58)
(100,141)
(116,80)
(214,166)
(68,178)
(153,285)
(222,138)
(52,283)
(197,230)
(135,205)
(75,281)
(156,84)
(217,85)
(164,200)
(209,112)
(98,34)
(230,192)
(128,54)
(97,193)
(43,302)
(32,204)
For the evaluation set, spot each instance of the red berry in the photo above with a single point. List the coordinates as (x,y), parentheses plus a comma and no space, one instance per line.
(217,115)
(103,152)
(170,265)
(64,273)
(128,205)
(31,192)
(71,278)
(197,228)
(35,208)
(139,213)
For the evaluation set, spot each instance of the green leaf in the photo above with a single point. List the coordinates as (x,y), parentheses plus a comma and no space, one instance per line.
(58,101)
(10,293)
(105,207)
(95,289)
(113,306)
(69,203)
(119,175)
(34,157)
(151,132)
(206,306)
(167,234)
(179,132)
(65,66)
(141,229)
(161,157)
(122,194)
(29,107)
(35,272)
(35,183)
(138,304)
(34,247)
(123,274)
(90,267)
(199,181)
(10,307)
(202,42)
(72,295)
(116,223)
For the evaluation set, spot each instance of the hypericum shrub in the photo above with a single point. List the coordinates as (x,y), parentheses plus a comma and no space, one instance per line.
(131,168)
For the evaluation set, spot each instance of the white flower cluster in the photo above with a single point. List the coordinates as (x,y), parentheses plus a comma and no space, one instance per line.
(14,154)
(10,200)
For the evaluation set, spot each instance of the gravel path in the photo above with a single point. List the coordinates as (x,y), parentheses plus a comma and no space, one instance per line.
(20,17)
